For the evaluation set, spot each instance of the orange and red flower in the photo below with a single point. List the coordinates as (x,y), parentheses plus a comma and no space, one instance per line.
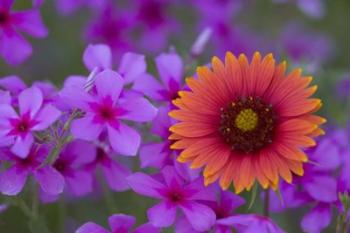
(245,122)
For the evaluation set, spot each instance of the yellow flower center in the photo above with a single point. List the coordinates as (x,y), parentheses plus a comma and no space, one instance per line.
(246,120)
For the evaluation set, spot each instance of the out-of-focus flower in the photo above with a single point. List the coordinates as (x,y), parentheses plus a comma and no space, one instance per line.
(201,41)
(310,47)
(13,179)
(14,48)
(67,7)
(112,28)
(114,173)
(104,111)
(152,19)
(343,87)
(251,223)
(170,69)
(175,194)
(72,163)
(33,116)
(312,8)
(228,122)
(118,223)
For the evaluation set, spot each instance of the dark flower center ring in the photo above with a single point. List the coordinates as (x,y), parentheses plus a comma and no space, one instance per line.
(247,124)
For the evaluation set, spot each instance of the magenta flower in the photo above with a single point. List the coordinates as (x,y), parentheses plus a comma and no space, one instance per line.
(251,223)
(104,111)
(33,116)
(170,69)
(175,194)
(15,86)
(99,57)
(112,28)
(224,208)
(66,7)
(114,173)
(14,48)
(118,223)
(14,178)
(72,162)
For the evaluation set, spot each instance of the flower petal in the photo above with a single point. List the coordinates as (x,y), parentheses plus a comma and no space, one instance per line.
(22,146)
(138,109)
(124,140)
(30,22)
(13,180)
(201,217)
(46,117)
(109,84)
(85,129)
(14,48)
(99,55)
(116,175)
(162,214)
(132,66)
(317,219)
(169,67)
(79,182)
(121,222)
(91,227)
(145,185)
(30,101)
(50,180)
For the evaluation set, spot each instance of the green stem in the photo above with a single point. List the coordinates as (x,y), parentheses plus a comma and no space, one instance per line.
(108,197)
(267,203)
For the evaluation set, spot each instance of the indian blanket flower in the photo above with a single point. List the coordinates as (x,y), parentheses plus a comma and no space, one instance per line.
(14,48)
(13,179)
(175,194)
(118,223)
(170,69)
(105,111)
(245,122)
(318,186)
(33,116)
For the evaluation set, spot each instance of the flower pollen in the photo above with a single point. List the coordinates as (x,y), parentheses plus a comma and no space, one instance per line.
(247,124)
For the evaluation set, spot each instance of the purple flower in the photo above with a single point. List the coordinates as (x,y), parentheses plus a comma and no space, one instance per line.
(118,223)
(33,116)
(112,28)
(99,57)
(14,178)
(312,8)
(175,194)
(159,154)
(312,47)
(153,19)
(251,223)
(66,7)
(72,163)
(224,208)
(114,173)
(104,111)
(14,48)
(15,86)
(170,69)
(343,87)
